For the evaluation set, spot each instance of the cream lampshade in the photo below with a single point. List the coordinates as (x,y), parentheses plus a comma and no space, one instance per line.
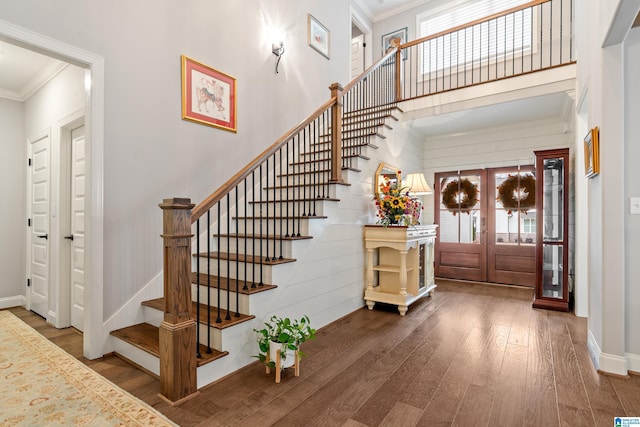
(416,184)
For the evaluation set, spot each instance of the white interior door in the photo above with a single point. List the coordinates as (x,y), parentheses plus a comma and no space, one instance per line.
(39,193)
(357,56)
(77,227)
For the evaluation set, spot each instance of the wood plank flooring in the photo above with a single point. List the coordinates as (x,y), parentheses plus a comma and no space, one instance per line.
(470,355)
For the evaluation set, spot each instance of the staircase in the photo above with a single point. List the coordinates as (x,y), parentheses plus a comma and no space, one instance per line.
(236,258)
(246,273)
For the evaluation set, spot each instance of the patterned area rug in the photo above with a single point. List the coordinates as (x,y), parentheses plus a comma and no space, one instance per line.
(42,385)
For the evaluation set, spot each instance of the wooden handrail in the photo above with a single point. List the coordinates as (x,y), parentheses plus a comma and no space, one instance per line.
(476,22)
(225,188)
(369,70)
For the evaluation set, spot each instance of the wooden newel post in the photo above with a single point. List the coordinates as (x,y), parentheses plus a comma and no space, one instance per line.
(336,134)
(178,329)
(396,43)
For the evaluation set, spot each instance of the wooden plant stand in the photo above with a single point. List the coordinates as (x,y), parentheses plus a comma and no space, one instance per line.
(296,365)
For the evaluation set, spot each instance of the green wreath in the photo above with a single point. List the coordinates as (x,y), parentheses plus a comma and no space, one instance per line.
(450,196)
(508,189)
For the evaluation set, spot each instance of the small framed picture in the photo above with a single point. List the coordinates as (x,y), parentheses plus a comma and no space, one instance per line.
(318,36)
(208,95)
(592,153)
(387,38)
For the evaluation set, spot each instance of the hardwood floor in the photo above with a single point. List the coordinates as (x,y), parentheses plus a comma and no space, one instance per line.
(471,355)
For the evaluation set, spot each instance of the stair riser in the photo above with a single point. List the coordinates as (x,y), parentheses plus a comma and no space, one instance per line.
(254,247)
(140,357)
(252,273)
(215,337)
(285,209)
(244,306)
(319,181)
(351,159)
(312,190)
(273,226)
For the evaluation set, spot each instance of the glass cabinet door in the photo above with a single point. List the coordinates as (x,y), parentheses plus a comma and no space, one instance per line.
(551,253)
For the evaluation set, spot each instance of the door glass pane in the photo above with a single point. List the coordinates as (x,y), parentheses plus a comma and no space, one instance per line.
(553,200)
(448,227)
(552,271)
(460,209)
(470,227)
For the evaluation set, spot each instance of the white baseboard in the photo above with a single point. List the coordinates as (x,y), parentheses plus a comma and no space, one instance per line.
(613,364)
(609,363)
(15,301)
(633,362)
(594,349)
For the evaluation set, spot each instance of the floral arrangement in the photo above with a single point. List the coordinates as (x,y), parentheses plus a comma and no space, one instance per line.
(395,206)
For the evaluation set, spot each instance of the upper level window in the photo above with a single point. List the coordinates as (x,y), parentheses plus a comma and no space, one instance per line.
(495,38)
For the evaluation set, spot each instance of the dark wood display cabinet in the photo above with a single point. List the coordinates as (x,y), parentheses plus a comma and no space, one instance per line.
(552,218)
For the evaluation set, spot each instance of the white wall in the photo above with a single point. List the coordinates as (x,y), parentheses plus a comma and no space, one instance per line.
(13,214)
(604,81)
(149,152)
(632,177)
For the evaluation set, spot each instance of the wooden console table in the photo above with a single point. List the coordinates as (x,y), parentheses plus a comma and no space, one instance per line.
(404,264)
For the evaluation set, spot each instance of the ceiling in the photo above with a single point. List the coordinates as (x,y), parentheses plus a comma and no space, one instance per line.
(543,107)
(23,71)
(381,9)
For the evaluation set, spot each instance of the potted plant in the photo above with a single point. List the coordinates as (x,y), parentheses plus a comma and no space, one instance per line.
(285,335)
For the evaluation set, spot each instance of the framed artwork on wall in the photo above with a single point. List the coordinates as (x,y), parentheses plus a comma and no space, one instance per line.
(318,36)
(208,95)
(387,38)
(592,153)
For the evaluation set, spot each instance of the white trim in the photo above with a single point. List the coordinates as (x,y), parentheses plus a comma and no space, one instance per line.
(612,364)
(94,334)
(15,301)
(594,349)
(609,363)
(633,362)
(63,130)
(366,30)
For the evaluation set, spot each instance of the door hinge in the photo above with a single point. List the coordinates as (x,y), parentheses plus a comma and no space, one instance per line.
(28,283)
(29,162)
(28,222)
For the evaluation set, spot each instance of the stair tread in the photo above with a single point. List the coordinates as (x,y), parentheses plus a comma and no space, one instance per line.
(264,237)
(146,337)
(346,147)
(252,288)
(348,156)
(308,199)
(245,258)
(159,304)
(344,168)
(270,217)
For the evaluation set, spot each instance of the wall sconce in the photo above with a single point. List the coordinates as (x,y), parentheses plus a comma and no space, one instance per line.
(278,50)
(417,185)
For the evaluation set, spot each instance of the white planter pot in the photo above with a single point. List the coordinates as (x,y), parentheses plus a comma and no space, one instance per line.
(287,359)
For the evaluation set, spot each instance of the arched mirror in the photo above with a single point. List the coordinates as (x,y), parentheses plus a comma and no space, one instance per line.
(385,171)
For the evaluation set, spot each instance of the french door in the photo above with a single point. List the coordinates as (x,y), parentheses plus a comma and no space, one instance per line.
(487,226)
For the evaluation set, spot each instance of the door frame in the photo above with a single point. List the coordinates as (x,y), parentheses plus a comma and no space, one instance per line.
(63,277)
(361,23)
(95,337)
